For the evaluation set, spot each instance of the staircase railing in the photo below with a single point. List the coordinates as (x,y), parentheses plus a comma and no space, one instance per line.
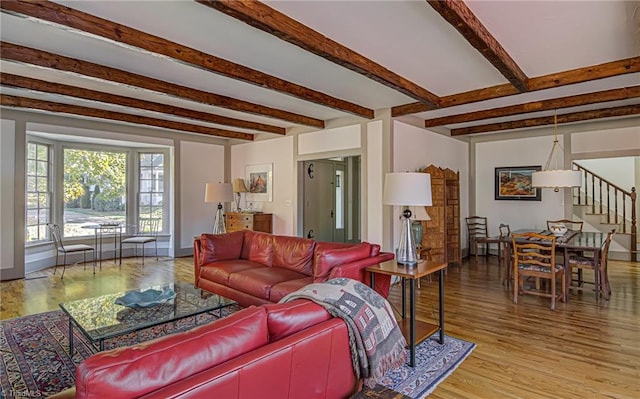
(611,191)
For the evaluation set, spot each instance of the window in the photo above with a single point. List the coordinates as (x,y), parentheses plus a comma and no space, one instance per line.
(151,186)
(38,201)
(95,189)
(80,184)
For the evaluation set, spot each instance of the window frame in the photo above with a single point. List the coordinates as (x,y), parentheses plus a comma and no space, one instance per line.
(56,181)
(49,193)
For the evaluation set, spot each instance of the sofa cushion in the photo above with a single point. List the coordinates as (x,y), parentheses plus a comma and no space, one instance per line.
(284,319)
(326,259)
(375,250)
(215,247)
(293,253)
(258,281)
(223,269)
(134,371)
(258,247)
(279,291)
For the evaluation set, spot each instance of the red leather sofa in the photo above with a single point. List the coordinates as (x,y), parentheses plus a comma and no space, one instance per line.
(255,268)
(290,350)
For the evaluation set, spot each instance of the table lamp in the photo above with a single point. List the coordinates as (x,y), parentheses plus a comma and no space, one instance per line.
(238,188)
(218,192)
(407,189)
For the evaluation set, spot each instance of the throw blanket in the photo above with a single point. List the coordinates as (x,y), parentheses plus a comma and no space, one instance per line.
(377,344)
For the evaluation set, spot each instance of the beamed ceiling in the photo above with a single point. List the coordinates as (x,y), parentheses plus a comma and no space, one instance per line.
(235,69)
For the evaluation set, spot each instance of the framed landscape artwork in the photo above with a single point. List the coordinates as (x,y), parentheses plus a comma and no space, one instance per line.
(514,183)
(260,182)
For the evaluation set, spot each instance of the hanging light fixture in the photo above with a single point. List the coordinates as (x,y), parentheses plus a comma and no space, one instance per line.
(556,178)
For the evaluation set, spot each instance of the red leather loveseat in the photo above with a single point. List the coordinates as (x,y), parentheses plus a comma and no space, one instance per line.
(254,268)
(285,351)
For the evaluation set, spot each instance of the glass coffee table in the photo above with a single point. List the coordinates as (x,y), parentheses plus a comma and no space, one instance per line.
(100,318)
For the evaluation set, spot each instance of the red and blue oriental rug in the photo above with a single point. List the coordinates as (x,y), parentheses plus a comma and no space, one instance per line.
(36,363)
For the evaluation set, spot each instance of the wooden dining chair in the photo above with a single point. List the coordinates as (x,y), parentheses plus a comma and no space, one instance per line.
(572,225)
(62,248)
(535,256)
(599,267)
(477,234)
(505,234)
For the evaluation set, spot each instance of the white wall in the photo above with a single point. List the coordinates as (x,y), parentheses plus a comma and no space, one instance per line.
(415,148)
(617,139)
(7,180)
(518,214)
(200,163)
(279,152)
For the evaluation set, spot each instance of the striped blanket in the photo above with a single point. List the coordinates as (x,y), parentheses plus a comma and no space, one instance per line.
(377,344)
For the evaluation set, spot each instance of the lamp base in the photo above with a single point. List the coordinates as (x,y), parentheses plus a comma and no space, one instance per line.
(406,253)
(218,222)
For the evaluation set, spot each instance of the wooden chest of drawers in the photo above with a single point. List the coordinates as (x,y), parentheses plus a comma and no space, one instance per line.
(234,221)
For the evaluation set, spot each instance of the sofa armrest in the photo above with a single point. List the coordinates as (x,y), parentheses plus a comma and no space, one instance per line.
(356,270)
(197,248)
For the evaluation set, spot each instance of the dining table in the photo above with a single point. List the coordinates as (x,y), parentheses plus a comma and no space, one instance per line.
(570,241)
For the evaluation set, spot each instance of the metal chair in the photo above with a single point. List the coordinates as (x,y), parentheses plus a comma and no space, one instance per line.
(56,237)
(147,232)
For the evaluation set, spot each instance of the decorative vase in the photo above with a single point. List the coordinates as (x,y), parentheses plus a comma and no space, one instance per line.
(416,230)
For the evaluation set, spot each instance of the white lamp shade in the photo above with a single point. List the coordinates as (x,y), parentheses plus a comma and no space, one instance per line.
(403,188)
(218,192)
(556,178)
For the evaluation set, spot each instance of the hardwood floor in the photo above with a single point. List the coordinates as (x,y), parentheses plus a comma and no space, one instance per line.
(581,350)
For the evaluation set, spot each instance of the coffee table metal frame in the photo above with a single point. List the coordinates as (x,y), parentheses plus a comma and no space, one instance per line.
(100,318)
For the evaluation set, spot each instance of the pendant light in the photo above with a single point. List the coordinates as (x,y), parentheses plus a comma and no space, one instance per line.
(556,178)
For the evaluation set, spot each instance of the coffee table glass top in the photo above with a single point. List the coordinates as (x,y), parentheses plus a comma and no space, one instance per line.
(101,317)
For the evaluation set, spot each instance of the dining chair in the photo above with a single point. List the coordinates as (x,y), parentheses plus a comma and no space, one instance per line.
(147,231)
(477,234)
(56,237)
(573,225)
(535,256)
(599,267)
(505,234)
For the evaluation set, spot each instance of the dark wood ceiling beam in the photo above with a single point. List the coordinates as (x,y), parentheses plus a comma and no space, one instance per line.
(69,17)
(536,106)
(49,106)
(548,120)
(17,53)
(574,76)
(22,82)
(462,18)
(269,20)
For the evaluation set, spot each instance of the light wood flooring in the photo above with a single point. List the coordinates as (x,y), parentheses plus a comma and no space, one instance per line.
(583,349)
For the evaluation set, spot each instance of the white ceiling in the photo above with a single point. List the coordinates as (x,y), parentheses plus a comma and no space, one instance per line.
(407,37)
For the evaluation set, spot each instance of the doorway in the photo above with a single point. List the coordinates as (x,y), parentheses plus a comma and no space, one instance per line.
(331,199)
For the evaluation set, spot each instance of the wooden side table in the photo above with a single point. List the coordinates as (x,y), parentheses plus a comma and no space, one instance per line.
(416,331)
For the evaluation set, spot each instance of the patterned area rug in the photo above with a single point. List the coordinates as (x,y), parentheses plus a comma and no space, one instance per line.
(35,351)
(36,363)
(434,363)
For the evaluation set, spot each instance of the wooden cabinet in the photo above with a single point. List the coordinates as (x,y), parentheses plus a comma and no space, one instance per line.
(442,232)
(234,221)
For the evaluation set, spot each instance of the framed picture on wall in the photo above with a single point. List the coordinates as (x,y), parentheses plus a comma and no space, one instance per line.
(514,183)
(259,180)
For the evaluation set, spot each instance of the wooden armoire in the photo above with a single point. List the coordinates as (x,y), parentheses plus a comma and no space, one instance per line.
(442,232)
